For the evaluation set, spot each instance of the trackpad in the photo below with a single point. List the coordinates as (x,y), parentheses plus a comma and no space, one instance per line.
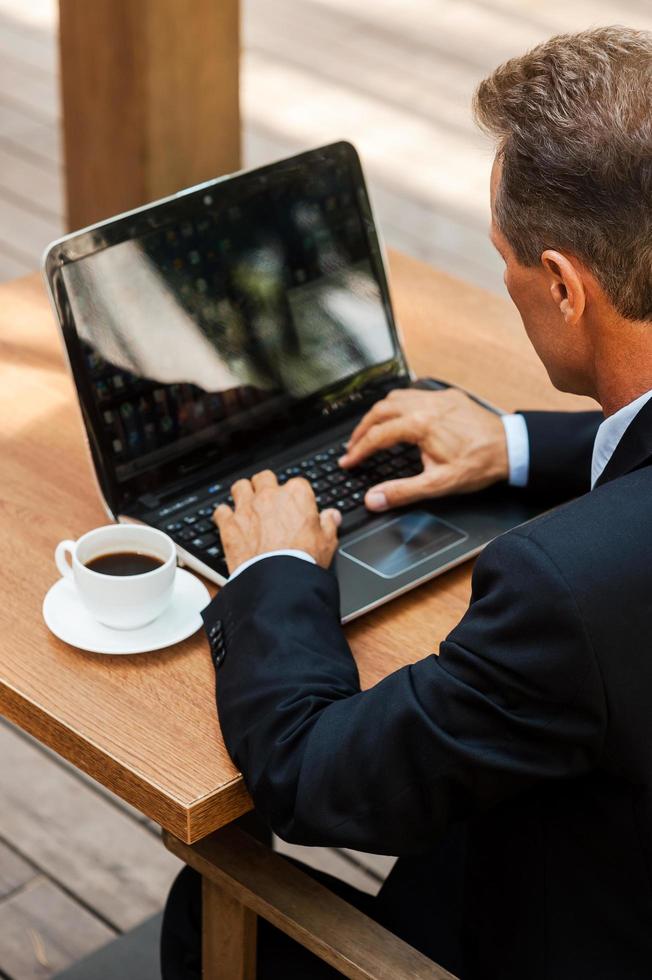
(401,543)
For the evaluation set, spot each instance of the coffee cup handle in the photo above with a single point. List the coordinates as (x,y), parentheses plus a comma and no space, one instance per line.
(63,549)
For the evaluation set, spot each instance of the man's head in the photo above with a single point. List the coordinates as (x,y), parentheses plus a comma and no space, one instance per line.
(572,192)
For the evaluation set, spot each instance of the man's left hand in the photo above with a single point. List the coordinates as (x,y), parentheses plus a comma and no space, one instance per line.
(268,517)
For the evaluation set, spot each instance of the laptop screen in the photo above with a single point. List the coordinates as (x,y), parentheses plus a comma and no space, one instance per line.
(259,304)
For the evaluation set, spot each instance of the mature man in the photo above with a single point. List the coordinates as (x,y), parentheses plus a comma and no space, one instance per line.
(512,774)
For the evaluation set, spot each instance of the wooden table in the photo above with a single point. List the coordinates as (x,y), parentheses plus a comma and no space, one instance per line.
(146,726)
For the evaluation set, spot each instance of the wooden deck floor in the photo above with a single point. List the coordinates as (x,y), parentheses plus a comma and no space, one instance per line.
(395,77)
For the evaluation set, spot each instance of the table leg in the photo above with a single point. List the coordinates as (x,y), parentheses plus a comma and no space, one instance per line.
(228,936)
(151,100)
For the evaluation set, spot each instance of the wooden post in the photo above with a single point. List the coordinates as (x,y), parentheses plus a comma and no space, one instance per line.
(150,92)
(228,936)
(240,875)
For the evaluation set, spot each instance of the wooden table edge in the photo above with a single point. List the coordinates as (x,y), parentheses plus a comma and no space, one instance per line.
(187,821)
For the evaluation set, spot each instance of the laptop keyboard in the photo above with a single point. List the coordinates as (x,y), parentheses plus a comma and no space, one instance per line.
(189,521)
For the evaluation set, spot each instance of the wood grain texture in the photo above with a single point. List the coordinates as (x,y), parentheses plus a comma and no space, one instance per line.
(228,936)
(20,177)
(25,231)
(43,931)
(60,782)
(11,265)
(302,908)
(32,47)
(146,727)
(14,870)
(95,851)
(150,95)
(35,94)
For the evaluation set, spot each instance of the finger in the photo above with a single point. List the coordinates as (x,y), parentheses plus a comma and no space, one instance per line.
(299,485)
(397,402)
(222,516)
(397,493)
(264,479)
(241,491)
(381,436)
(388,408)
(380,412)
(330,521)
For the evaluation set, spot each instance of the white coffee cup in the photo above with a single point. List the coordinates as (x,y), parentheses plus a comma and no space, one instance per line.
(121,601)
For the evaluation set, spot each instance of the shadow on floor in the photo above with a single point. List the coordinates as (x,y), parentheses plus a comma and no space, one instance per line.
(133,956)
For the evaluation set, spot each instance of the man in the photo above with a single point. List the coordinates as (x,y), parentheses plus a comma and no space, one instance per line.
(512,774)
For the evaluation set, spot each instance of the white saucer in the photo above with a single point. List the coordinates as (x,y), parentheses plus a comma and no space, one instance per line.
(69,619)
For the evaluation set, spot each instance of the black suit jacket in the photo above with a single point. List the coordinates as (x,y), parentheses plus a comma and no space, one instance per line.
(514,770)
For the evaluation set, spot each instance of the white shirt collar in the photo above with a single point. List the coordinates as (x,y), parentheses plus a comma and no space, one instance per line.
(611,432)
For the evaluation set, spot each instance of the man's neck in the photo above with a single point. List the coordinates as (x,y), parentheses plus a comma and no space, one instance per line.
(612,403)
(623,364)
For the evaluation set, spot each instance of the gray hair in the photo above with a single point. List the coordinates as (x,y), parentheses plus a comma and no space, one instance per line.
(573,121)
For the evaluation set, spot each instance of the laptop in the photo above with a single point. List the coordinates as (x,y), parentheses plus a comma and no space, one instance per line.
(244,324)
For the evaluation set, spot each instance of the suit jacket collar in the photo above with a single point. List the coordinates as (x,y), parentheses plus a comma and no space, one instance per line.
(634,449)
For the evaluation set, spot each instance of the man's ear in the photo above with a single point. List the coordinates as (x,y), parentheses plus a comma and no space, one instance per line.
(566,285)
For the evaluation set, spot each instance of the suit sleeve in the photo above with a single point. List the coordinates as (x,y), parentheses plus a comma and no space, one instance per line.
(561,447)
(513,699)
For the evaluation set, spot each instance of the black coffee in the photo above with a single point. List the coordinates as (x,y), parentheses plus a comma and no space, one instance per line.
(124,563)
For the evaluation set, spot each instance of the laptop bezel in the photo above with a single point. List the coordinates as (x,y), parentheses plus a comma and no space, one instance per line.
(183,205)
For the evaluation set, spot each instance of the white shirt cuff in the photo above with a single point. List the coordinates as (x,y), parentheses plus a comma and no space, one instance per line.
(290,553)
(518,449)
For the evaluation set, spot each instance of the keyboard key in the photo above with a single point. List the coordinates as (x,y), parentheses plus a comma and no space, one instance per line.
(203,527)
(176,506)
(326,499)
(204,541)
(335,478)
(333,487)
(353,484)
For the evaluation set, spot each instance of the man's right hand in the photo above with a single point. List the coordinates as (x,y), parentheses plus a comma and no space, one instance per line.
(463,445)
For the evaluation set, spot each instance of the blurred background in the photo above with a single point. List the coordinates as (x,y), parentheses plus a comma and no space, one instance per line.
(396,78)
